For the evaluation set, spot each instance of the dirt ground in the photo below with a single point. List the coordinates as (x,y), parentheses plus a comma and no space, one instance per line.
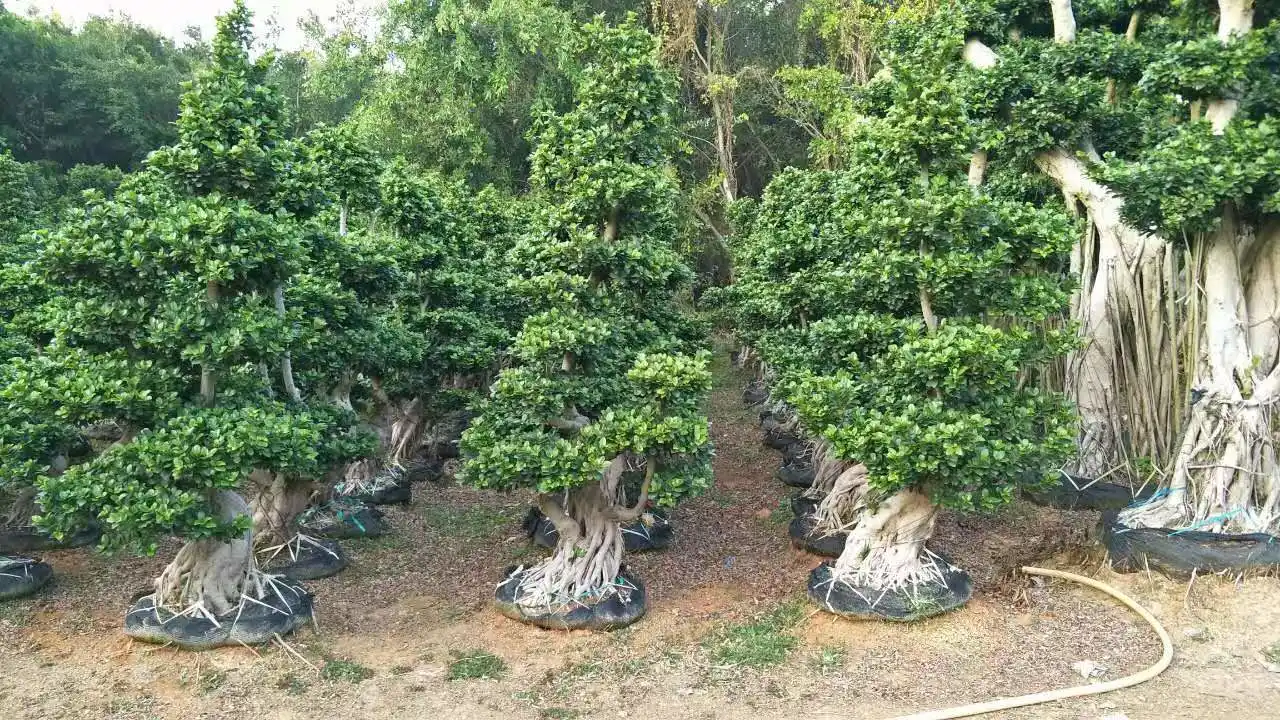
(392,627)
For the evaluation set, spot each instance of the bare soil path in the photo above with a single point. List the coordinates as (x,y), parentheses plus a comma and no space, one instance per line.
(394,624)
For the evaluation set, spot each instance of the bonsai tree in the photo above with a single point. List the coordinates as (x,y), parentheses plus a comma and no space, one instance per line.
(169,327)
(602,379)
(899,304)
(445,307)
(27,444)
(1225,477)
(1128,103)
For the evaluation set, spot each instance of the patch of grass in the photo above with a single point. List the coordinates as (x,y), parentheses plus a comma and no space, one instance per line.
(922,607)
(530,696)
(558,713)
(1272,653)
(476,664)
(292,684)
(345,670)
(762,642)
(582,670)
(780,515)
(829,660)
(401,670)
(471,523)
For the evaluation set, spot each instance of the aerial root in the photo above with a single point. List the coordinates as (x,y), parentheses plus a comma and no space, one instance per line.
(294,547)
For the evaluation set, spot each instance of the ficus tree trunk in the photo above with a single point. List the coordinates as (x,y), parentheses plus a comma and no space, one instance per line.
(588,555)
(210,575)
(277,502)
(1123,378)
(1225,477)
(1124,374)
(406,433)
(846,489)
(885,548)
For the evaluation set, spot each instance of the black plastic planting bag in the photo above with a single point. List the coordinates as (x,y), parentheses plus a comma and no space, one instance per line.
(254,623)
(776,435)
(1179,552)
(20,577)
(755,393)
(308,561)
(805,537)
(1073,493)
(652,531)
(29,539)
(797,473)
(902,605)
(340,519)
(618,610)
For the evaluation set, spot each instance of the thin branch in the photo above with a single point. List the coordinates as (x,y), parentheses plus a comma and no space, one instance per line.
(626,515)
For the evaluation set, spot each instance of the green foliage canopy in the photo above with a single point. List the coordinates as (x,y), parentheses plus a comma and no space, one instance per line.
(603,363)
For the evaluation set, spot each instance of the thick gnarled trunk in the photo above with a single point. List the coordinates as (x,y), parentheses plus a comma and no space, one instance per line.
(210,576)
(276,504)
(841,506)
(406,433)
(587,559)
(1122,379)
(1225,477)
(885,549)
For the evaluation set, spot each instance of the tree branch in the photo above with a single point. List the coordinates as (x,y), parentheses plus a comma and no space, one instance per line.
(286,360)
(1064,21)
(208,376)
(624,514)
(566,527)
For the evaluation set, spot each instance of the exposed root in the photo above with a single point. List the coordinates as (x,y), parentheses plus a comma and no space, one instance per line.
(366,477)
(886,551)
(211,578)
(273,592)
(294,547)
(406,434)
(1226,478)
(842,507)
(277,502)
(584,568)
(827,468)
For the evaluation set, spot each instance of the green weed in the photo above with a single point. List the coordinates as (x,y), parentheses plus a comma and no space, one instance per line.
(765,641)
(829,660)
(345,670)
(476,664)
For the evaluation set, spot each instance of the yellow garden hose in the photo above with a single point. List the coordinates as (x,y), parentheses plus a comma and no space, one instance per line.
(1049,696)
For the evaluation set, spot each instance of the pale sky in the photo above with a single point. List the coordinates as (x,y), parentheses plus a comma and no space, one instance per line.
(171,17)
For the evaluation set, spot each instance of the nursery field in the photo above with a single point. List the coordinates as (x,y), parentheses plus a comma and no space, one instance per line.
(408,631)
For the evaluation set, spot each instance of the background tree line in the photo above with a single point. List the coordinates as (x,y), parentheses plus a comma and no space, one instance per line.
(455,87)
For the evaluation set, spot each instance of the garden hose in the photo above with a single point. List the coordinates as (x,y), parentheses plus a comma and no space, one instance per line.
(1080,690)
